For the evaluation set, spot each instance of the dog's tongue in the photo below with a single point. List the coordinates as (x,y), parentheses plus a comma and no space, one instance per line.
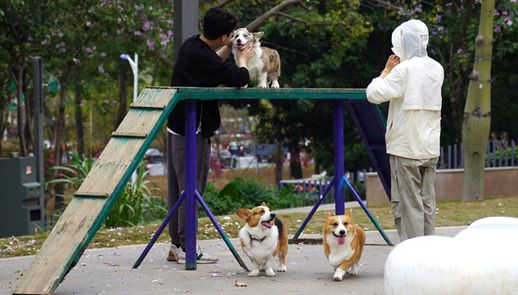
(341,240)
(267,224)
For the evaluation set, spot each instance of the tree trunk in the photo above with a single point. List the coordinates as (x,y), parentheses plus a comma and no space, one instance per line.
(29,111)
(58,132)
(295,165)
(123,102)
(317,167)
(477,115)
(278,161)
(20,111)
(79,119)
(59,128)
(256,23)
(2,126)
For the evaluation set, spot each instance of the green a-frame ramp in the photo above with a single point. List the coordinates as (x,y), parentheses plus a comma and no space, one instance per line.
(92,202)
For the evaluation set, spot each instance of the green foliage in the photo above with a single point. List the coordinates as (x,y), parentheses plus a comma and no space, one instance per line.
(245,193)
(73,173)
(218,205)
(286,197)
(504,155)
(248,193)
(136,203)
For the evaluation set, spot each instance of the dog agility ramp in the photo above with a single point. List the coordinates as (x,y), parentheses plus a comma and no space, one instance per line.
(99,191)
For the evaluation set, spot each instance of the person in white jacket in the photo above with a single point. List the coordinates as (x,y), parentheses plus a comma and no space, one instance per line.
(412,82)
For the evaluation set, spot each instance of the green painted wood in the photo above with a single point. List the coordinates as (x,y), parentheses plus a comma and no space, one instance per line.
(85,215)
(271,93)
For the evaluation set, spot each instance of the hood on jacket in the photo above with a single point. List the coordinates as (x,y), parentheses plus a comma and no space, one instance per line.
(410,39)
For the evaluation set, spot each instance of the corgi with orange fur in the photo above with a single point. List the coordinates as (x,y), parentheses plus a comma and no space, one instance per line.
(262,238)
(343,242)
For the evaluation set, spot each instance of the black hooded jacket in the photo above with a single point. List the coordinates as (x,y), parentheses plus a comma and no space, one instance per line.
(198,65)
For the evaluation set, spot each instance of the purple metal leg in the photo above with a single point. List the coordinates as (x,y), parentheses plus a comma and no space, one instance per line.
(369,214)
(315,207)
(220,231)
(190,185)
(159,231)
(339,157)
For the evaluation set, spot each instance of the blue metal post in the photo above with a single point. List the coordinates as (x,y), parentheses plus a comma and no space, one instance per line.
(220,231)
(190,184)
(159,231)
(339,157)
(315,207)
(369,214)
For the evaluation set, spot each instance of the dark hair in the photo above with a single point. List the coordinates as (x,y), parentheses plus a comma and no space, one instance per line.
(218,22)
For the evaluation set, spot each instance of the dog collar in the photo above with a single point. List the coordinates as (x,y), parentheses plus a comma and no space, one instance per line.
(255,239)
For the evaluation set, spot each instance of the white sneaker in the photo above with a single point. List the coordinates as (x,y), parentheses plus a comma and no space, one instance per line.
(205,258)
(178,255)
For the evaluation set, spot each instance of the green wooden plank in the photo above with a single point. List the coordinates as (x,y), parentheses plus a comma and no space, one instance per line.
(271,93)
(27,285)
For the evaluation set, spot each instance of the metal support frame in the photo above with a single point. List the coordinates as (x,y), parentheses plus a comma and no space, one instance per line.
(338,119)
(191,195)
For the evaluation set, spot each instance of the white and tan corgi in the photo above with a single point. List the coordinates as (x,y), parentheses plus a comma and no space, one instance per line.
(265,65)
(262,238)
(343,242)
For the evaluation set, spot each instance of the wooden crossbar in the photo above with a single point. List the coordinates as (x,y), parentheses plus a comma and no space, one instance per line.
(92,194)
(129,134)
(146,106)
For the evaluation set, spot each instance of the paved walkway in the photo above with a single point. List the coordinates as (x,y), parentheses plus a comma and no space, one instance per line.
(108,271)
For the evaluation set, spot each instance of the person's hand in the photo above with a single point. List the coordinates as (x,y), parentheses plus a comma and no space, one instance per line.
(229,41)
(392,61)
(244,55)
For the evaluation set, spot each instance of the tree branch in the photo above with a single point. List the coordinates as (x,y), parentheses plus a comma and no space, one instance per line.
(285,48)
(291,17)
(255,24)
(222,3)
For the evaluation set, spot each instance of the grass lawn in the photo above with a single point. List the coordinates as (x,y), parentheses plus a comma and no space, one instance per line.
(449,213)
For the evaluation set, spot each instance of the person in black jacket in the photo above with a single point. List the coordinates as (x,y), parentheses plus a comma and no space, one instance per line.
(200,65)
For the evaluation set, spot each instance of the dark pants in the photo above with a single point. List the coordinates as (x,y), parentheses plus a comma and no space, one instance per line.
(176,177)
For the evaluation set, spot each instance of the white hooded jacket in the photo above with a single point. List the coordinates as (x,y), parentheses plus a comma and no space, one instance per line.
(413,88)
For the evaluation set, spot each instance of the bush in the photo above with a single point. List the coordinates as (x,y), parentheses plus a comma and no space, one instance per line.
(246,193)
(136,203)
(504,156)
(286,198)
(218,205)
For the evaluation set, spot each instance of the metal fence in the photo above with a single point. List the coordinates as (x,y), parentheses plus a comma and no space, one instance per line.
(499,153)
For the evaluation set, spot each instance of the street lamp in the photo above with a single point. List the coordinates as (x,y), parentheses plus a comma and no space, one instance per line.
(134,68)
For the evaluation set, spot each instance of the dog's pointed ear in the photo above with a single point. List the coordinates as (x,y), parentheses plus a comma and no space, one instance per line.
(330,215)
(243,213)
(264,204)
(258,35)
(349,213)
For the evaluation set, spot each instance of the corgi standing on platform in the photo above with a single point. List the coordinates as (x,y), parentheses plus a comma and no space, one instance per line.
(262,238)
(343,242)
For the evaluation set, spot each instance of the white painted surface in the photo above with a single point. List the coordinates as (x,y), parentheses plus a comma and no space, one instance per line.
(481,259)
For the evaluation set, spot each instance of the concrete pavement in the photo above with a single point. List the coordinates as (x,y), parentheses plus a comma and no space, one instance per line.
(108,271)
